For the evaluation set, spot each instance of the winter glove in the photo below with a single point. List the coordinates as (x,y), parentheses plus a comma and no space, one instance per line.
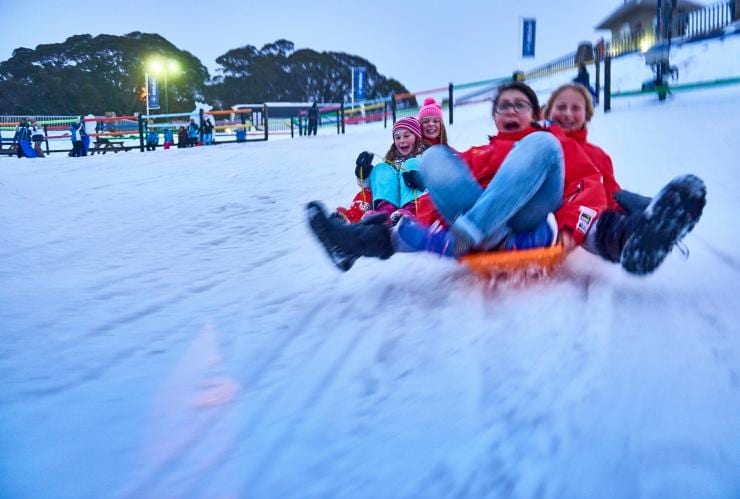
(413,180)
(364,165)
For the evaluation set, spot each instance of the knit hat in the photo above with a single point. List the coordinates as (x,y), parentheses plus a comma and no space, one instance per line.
(409,123)
(430,108)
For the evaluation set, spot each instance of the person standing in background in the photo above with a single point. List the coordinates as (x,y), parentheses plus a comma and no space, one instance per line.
(313,119)
(37,136)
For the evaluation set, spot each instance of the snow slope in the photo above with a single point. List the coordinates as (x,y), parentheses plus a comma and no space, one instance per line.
(171,329)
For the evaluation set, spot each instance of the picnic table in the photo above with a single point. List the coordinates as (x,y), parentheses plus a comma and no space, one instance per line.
(104,145)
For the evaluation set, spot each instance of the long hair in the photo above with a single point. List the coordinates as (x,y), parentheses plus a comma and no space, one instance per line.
(442,136)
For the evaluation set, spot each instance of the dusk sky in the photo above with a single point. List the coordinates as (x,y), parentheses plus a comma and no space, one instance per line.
(420,43)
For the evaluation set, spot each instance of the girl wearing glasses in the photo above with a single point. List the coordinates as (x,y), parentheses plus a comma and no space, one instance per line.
(626,232)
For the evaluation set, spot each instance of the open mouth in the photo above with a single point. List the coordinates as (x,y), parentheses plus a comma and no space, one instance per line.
(511,126)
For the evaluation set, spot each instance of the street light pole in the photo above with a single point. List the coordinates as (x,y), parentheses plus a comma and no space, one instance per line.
(146,83)
(166,92)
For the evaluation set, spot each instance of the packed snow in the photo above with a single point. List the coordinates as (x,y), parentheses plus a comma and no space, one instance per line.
(171,329)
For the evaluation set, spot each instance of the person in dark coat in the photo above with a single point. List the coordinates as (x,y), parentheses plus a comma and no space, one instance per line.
(585,79)
(313,119)
(182,138)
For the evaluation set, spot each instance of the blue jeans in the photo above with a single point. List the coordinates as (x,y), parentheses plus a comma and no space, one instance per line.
(528,186)
(387,183)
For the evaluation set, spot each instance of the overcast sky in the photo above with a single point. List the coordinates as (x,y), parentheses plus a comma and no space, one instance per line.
(423,44)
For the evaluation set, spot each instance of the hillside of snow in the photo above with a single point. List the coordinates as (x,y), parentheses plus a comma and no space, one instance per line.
(171,329)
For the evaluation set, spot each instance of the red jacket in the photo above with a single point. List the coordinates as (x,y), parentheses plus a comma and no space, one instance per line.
(583,198)
(602,161)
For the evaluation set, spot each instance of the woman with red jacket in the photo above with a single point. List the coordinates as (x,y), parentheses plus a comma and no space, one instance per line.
(626,232)
(497,196)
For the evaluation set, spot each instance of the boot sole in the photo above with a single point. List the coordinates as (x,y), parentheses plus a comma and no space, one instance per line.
(673,213)
(319,223)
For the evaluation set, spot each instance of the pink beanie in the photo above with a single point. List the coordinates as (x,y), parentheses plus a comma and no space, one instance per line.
(430,108)
(409,123)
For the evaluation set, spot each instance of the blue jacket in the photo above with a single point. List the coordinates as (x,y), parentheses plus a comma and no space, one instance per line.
(22,132)
(193,130)
(74,130)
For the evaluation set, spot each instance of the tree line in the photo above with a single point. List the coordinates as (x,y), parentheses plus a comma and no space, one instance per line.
(105,73)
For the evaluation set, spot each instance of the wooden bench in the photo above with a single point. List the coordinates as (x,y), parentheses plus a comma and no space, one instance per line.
(104,145)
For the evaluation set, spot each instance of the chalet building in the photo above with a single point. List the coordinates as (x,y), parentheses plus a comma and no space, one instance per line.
(635,18)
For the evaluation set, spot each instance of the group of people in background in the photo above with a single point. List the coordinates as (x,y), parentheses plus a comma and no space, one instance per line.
(537,182)
(186,136)
(28,133)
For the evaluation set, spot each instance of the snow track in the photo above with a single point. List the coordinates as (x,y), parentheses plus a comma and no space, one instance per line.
(171,329)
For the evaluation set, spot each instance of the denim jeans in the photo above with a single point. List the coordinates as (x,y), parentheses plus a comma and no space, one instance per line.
(528,185)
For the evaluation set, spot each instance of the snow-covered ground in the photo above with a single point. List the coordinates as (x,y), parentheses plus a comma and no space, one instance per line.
(170,329)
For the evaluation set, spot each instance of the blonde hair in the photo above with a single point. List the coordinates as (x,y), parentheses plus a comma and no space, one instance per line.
(576,87)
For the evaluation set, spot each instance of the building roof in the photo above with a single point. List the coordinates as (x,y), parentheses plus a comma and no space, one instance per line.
(631,9)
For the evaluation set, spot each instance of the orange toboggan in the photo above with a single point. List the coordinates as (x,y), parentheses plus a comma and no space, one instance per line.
(504,262)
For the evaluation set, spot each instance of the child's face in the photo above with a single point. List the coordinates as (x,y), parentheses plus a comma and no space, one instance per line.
(569,110)
(513,111)
(404,141)
(431,127)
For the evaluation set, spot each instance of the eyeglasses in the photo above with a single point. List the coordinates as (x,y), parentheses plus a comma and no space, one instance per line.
(520,106)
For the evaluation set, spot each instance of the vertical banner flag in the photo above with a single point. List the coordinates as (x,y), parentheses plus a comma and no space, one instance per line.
(359,83)
(152,92)
(528,36)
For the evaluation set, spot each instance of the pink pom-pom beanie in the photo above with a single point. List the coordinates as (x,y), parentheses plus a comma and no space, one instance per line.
(430,108)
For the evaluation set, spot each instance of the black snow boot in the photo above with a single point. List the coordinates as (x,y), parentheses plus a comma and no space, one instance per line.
(613,229)
(669,217)
(345,243)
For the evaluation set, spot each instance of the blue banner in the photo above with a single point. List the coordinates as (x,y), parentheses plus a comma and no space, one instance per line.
(529,26)
(359,83)
(152,92)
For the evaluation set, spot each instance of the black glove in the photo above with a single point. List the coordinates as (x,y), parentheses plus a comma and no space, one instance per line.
(364,165)
(413,180)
